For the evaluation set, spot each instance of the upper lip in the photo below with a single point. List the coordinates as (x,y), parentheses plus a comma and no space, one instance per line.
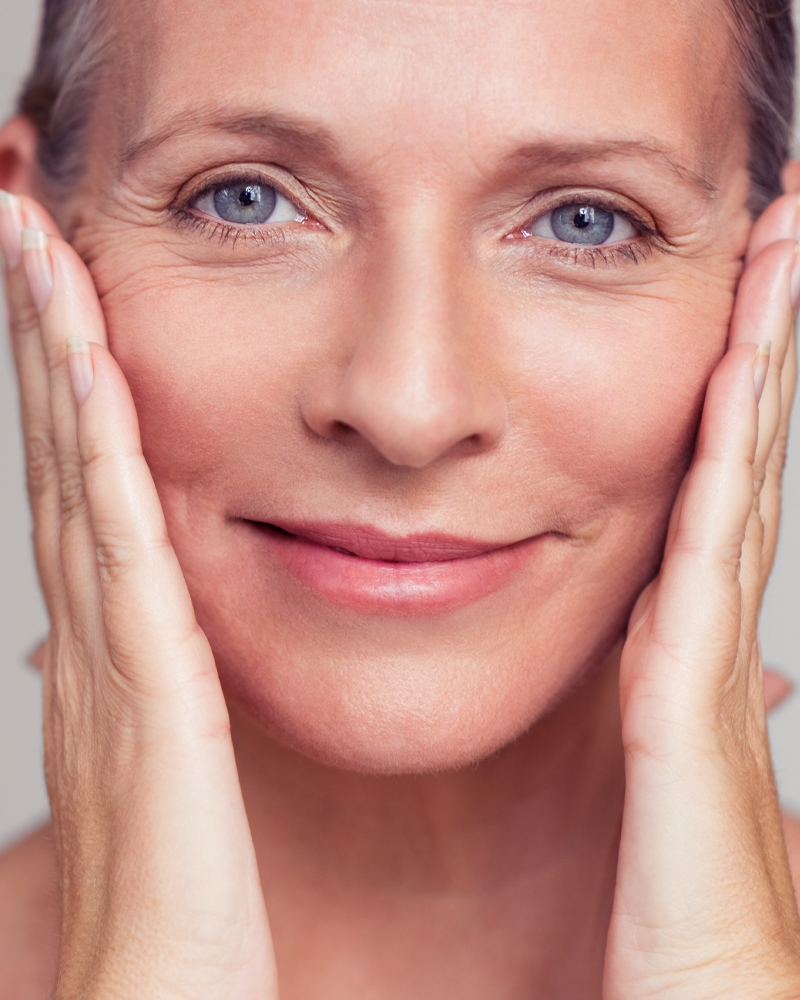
(368,542)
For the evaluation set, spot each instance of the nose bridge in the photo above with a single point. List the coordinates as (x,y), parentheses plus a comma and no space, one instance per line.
(416,338)
(412,387)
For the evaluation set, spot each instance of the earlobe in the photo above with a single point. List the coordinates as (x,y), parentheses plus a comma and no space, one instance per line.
(18,167)
(791,177)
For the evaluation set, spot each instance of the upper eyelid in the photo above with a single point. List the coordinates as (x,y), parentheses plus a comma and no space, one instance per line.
(642,227)
(185,199)
(532,213)
(247,172)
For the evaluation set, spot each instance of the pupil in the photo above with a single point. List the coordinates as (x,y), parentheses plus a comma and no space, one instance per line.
(582,224)
(245,203)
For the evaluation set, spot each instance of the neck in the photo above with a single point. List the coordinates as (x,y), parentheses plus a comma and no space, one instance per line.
(496,878)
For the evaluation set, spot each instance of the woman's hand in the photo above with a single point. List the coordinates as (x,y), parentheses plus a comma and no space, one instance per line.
(160,891)
(704,904)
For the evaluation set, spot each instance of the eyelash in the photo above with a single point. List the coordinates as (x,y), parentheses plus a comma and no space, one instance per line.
(633,253)
(225,232)
(211,228)
(572,254)
(606,254)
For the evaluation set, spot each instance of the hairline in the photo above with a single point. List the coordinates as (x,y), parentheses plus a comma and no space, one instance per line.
(62,151)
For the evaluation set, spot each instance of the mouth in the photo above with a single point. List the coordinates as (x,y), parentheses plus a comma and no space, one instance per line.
(370,571)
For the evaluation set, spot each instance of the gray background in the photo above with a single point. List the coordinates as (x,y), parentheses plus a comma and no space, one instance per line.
(23,800)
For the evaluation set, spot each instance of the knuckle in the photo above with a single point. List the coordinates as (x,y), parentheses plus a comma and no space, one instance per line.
(120,554)
(72,493)
(97,460)
(40,461)
(777,459)
(115,553)
(23,319)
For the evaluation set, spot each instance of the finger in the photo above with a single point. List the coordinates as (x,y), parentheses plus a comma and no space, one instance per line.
(764,307)
(152,631)
(697,616)
(675,516)
(15,213)
(770,497)
(67,306)
(777,687)
(779,221)
(764,312)
(33,379)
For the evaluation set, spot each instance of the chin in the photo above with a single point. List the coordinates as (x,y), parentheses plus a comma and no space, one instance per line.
(371,691)
(399,714)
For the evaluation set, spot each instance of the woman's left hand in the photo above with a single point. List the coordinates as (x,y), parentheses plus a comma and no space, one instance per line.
(704,904)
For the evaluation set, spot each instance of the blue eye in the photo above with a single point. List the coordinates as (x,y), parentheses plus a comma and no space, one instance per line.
(247,203)
(582,225)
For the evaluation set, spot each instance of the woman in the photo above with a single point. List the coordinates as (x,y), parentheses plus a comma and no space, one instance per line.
(389,484)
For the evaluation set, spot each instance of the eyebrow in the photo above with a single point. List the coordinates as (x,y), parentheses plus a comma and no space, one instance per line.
(563,154)
(303,134)
(311,138)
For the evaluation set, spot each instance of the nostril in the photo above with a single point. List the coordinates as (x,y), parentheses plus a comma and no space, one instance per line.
(340,430)
(424,411)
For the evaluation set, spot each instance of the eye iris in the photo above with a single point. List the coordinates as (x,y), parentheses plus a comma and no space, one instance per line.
(243,203)
(585,224)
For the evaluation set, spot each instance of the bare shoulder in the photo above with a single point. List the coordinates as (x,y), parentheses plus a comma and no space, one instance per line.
(28,919)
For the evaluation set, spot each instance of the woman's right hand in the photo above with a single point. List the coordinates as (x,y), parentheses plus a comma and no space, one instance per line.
(160,893)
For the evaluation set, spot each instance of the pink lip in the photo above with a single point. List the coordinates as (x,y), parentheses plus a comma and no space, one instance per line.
(367,570)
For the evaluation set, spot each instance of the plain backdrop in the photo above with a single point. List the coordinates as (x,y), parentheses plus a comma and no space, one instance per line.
(23,800)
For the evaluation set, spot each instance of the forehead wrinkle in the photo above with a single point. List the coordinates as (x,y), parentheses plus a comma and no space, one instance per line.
(310,137)
(304,134)
(560,153)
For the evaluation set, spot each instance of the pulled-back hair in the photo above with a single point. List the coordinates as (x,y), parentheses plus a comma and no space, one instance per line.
(764,34)
(60,92)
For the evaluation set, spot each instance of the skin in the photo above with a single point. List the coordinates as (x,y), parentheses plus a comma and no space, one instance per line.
(412,264)
(448,785)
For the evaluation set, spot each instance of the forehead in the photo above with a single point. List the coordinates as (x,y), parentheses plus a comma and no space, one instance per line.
(388,76)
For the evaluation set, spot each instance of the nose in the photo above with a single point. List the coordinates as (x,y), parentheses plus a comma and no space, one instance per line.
(412,381)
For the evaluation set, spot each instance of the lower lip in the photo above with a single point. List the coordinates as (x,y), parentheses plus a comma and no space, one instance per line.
(395,588)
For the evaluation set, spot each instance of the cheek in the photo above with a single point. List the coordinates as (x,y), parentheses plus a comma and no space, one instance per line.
(215,375)
(603,403)
(610,390)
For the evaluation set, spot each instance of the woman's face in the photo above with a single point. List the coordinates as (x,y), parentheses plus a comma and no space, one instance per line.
(418,301)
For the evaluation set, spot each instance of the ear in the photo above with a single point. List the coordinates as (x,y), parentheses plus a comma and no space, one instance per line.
(18,169)
(791,177)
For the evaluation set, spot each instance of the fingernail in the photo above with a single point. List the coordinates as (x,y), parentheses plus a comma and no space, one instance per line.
(79,359)
(38,266)
(10,229)
(796,280)
(761,368)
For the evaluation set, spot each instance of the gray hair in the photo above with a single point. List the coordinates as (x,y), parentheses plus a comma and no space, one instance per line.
(61,90)
(59,94)
(764,34)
